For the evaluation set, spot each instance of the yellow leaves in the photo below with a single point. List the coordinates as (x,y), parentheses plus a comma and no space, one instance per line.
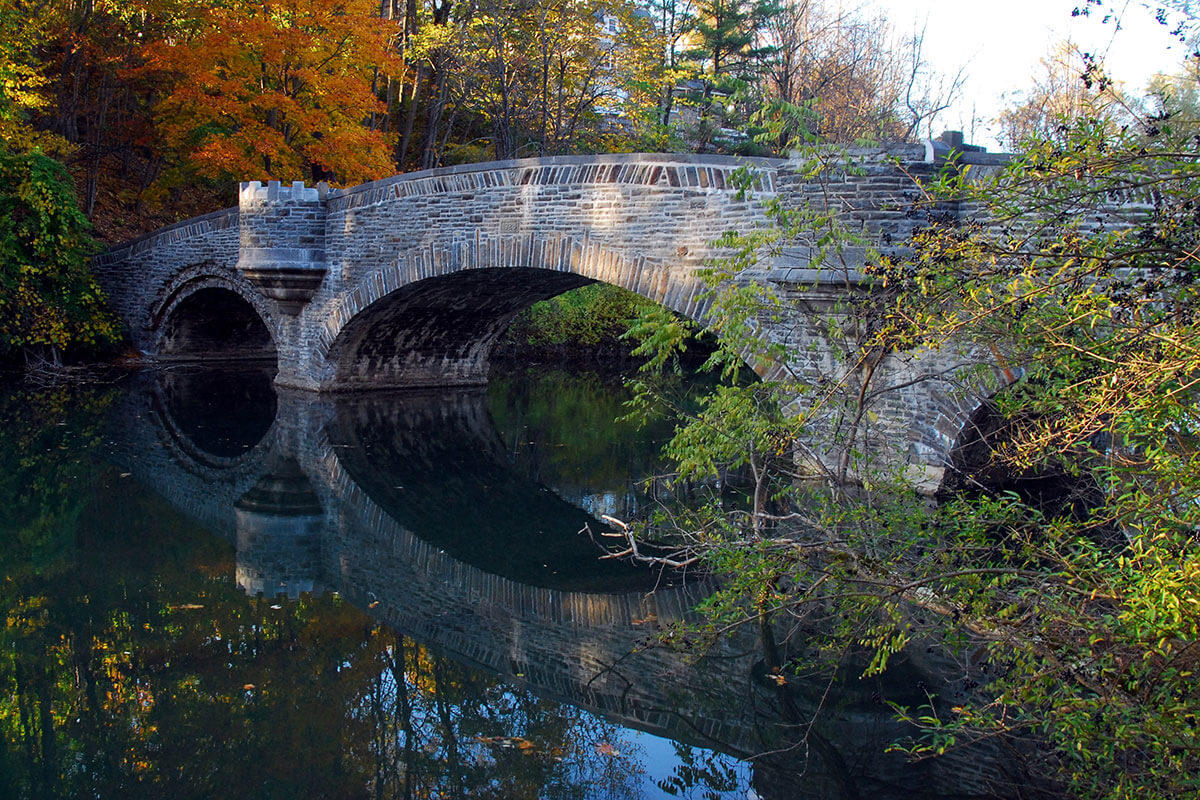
(51,300)
(27,614)
(508,743)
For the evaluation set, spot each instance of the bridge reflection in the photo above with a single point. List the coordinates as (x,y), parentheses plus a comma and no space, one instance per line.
(435,465)
(410,507)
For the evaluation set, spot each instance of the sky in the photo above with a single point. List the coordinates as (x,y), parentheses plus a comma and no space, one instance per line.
(1000,44)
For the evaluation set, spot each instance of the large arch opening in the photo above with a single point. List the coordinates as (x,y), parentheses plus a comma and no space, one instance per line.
(439,331)
(215,324)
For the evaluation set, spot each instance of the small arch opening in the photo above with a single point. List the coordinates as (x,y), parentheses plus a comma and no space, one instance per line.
(214,324)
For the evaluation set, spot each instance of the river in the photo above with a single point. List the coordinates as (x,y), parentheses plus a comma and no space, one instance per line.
(214,589)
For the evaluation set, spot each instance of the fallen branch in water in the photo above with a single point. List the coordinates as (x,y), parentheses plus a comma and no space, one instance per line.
(631,550)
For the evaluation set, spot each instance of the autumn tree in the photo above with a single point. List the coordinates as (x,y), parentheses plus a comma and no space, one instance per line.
(22,80)
(98,105)
(498,34)
(276,90)
(1174,100)
(48,299)
(430,53)
(552,76)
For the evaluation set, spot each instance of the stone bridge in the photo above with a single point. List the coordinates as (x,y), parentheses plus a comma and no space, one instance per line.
(409,281)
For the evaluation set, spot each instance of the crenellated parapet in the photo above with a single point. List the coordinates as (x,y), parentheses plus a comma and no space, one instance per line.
(282,240)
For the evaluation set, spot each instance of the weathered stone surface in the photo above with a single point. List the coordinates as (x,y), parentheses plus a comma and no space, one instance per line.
(408,281)
(282,240)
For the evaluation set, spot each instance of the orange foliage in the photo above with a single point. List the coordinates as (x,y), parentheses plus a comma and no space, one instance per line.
(277,89)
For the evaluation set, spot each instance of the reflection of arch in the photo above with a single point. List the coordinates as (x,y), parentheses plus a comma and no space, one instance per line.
(584,648)
(430,583)
(212,317)
(587,649)
(431,316)
(432,461)
(246,420)
(154,448)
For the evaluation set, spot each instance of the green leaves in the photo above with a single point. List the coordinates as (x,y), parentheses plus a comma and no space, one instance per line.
(1066,570)
(594,315)
(47,296)
(660,334)
(1078,271)
(736,426)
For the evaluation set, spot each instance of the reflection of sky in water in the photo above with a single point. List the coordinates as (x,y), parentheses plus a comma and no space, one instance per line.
(593,759)
(660,760)
(607,503)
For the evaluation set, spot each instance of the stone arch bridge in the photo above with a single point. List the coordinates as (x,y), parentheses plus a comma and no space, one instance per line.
(409,281)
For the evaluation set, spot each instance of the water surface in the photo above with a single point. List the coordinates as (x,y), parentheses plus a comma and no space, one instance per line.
(212,589)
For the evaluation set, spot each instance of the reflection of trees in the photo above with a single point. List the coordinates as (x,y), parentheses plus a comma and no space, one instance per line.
(42,437)
(567,427)
(440,729)
(573,431)
(704,769)
(132,666)
(298,698)
(132,671)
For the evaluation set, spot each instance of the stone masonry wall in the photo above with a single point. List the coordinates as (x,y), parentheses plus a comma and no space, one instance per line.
(148,277)
(282,240)
(641,222)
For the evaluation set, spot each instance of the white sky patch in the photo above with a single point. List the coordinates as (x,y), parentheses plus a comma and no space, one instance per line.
(1001,45)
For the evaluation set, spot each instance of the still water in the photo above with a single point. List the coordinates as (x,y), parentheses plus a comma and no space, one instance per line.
(212,589)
